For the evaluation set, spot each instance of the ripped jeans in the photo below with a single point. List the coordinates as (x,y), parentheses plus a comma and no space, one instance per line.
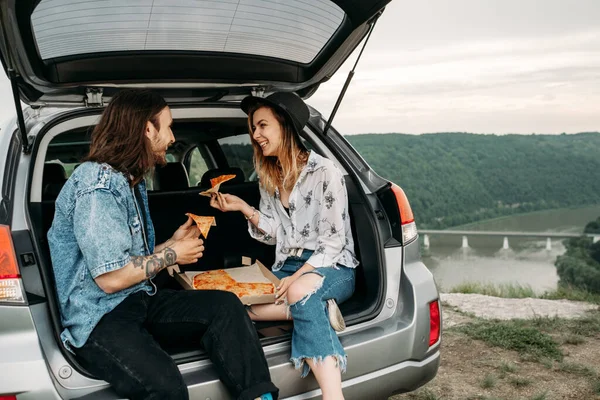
(313,337)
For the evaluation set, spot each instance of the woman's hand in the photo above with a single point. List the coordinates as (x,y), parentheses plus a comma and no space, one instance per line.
(284,285)
(227,202)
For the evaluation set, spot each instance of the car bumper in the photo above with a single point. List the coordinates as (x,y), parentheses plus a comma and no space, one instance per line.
(399,378)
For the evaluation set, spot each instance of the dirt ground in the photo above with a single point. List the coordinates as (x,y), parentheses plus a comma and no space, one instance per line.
(471,369)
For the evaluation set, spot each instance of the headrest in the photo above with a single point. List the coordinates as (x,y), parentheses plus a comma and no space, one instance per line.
(213,173)
(53,180)
(172,176)
(54,173)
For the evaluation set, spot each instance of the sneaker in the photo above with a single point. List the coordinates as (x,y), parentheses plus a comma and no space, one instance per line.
(336,319)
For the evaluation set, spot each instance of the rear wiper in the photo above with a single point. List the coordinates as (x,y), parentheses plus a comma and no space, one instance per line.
(350,75)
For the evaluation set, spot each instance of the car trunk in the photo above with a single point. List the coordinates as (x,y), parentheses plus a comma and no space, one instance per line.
(227,242)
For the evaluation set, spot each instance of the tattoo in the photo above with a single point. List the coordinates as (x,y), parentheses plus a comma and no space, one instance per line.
(170,256)
(153,264)
(138,261)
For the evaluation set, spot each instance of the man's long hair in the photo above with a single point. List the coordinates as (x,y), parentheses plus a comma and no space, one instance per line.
(283,170)
(119,139)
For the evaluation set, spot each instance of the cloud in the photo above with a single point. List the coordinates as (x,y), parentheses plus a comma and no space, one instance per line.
(468,65)
(474,85)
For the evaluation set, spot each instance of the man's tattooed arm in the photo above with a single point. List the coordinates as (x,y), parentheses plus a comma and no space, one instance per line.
(154,263)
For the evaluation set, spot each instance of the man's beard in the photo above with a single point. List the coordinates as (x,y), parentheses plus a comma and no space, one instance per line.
(160,159)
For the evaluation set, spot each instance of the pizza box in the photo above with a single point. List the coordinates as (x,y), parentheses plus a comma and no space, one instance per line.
(255,273)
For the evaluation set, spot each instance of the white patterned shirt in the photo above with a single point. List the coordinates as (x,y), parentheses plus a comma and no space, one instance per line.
(318,218)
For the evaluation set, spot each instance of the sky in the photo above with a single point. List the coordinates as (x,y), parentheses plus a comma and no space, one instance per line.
(481,66)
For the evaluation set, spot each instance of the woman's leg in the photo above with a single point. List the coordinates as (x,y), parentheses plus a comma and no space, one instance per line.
(329,377)
(269,312)
(275,312)
(315,344)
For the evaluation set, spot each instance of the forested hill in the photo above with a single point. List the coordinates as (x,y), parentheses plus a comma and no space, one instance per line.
(455,178)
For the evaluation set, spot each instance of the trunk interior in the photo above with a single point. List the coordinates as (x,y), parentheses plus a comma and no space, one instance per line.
(203,150)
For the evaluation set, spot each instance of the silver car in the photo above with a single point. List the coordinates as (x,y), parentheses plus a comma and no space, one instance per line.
(66,59)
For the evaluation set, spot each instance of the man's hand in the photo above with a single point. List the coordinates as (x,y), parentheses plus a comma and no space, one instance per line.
(188,230)
(187,251)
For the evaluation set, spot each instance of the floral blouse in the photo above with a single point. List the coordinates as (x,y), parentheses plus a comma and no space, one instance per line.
(318,218)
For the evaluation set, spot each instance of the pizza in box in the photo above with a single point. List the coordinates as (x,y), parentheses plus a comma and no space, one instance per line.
(215,184)
(221,280)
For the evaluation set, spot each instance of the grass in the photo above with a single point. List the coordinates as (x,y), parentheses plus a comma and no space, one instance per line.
(488,382)
(576,369)
(424,394)
(517,291)
(571,293)
(596,386)
(572,329)
(541,396)
(520,381)
(506,290)
(514,335)
(573,339)
(508,367)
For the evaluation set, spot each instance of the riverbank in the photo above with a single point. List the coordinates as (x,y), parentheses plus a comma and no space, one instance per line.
(565,219)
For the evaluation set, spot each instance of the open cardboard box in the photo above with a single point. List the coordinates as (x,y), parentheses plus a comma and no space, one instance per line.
(255,273)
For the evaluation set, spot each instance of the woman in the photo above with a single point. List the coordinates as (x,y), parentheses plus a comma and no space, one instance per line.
(304,212)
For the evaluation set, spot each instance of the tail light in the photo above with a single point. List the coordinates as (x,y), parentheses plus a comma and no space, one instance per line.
(10,397)
(11,286)
(407,220)
(435,322)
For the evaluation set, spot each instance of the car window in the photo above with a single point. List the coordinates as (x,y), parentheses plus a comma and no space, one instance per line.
(198,167)
(238,152)
(68,167)
(295,31)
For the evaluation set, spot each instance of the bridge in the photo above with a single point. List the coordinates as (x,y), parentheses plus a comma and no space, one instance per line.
(466,233)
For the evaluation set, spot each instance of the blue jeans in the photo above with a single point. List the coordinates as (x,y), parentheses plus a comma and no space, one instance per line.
(313,337)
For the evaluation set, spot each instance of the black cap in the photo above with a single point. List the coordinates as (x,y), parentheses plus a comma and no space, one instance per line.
(290,104)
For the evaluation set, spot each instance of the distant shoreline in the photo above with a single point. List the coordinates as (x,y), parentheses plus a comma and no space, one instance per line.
(473,133)
(504,217)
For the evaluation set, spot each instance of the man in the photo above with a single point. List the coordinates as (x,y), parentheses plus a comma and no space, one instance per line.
(104,259)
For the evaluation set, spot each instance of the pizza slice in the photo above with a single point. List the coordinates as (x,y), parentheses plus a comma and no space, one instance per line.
(216,184)
(220,179)
(203,223)
(221,280)
(213,280)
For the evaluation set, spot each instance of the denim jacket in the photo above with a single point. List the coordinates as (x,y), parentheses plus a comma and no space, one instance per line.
(97,227)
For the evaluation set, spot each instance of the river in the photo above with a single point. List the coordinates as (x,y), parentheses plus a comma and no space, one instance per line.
(526,262)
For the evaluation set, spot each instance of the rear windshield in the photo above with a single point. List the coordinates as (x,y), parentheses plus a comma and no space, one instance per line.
(286,29)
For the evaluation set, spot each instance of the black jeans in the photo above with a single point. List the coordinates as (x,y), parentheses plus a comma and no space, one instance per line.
(125,350)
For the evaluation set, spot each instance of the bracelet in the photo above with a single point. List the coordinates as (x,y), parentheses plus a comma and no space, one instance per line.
(252,216)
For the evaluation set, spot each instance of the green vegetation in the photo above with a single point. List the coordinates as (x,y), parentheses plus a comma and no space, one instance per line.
(541,396)
(517,381)
(506,367)
(580,265)
(536,340)
(506,290)
(424,394)
(456,178)
(576,369)
(488,382)
(516,335)
(517,291)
